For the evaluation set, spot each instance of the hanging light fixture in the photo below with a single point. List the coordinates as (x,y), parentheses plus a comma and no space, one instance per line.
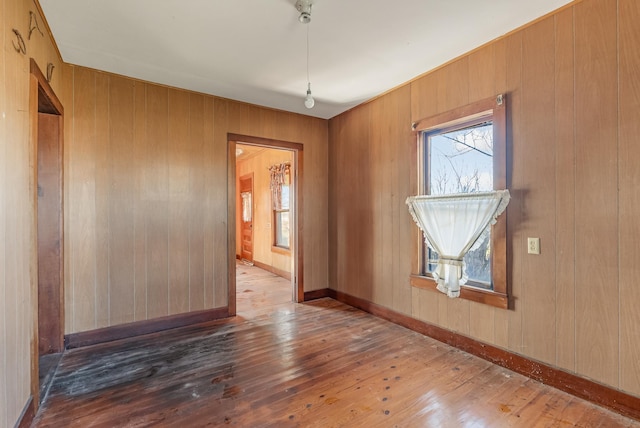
(304,7)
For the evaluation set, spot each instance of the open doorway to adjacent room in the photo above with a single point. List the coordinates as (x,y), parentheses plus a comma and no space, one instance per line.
(267,223)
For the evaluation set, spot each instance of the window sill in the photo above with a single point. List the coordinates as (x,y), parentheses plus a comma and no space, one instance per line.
(280,250)
(478,295)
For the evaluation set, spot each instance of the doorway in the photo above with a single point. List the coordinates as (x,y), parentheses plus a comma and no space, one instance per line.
(275,229)
(46,116)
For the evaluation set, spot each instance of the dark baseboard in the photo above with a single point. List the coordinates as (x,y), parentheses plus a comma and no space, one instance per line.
(138,328)
(28,415)
(319,294)
(605,396)
(273,270)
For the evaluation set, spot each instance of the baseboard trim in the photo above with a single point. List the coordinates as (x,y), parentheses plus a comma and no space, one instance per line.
(602,395)
(28,415)
(138,328)
(284,274)
(319,294)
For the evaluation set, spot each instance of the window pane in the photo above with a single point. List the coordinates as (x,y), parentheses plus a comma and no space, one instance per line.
(461,161)
(246,206)
(284,197)
(282,229)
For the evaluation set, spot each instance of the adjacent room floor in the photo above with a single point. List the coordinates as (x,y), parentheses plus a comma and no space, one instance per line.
(318,364)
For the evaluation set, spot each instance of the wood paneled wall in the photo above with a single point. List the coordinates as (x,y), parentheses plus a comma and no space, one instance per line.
(147,183)
(572,82)
(16,228)
(263,232)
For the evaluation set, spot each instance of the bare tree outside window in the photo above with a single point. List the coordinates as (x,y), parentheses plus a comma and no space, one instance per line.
(461,161)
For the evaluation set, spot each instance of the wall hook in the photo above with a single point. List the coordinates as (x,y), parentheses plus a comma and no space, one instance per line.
(33,24)
(50,68)
(20,47)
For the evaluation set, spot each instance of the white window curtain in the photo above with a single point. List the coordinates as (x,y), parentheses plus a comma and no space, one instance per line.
(452,225)
(280,178)
(246,206)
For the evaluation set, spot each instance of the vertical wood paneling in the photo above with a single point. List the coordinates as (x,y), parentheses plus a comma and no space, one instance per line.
(452,89)
(12,252)
(402,141)
(316,209)
(179,172)
(8,337)
(81,204)
(597,298)
(222,237)
(66,97)
(381,159)
(424,97)
(122,185)
(140,204)
(208,233)
(197,201)
(335,137)
(336,176)
(101,201)
(538,148)
(629,182)
(565,192)
(482,77)
(353,206)
(156,188)
(361,214)
(24,224)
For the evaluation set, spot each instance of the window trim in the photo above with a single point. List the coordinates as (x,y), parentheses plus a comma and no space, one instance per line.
(495,108)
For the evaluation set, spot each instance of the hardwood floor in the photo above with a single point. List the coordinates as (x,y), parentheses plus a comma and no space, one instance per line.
(280,364)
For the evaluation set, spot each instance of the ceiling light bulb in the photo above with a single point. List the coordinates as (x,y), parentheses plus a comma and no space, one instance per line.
(304,18)
(309,102)
(304,7)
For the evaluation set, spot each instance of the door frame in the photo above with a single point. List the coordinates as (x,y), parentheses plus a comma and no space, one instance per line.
(297,253)
(42,99)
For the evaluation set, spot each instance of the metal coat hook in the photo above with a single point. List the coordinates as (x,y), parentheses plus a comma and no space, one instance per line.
(33,24)
(50,68)
(21,46)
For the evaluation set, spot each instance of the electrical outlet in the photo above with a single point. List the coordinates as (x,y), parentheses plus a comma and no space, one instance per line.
(533,245)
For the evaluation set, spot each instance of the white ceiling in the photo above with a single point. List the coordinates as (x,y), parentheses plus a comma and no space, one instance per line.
(255,50)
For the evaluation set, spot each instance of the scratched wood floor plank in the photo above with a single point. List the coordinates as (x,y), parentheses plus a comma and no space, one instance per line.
(280,364)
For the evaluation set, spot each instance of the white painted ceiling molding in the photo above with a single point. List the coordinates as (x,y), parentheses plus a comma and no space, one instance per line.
(255,50)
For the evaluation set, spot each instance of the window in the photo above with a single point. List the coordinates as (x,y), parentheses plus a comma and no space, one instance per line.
(280,191)
(281,220)
(463,151)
